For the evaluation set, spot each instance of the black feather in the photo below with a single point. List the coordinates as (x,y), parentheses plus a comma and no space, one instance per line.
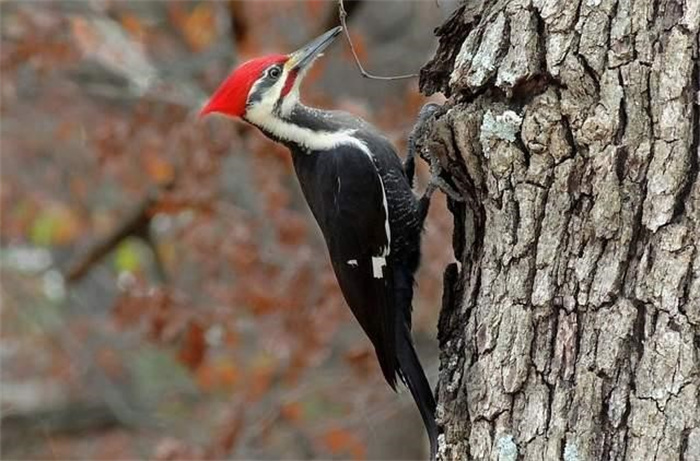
(345,189)
(410,367)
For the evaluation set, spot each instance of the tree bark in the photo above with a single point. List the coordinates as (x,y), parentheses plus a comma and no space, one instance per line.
(570,324)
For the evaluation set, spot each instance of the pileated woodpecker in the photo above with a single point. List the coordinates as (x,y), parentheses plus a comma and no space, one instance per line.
(361,196)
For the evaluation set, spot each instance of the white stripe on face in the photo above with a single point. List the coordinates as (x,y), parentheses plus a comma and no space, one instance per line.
(266,91)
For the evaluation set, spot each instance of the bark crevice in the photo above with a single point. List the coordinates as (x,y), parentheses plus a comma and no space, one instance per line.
(570,325)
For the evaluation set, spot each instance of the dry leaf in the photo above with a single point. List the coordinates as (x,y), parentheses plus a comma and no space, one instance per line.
(158,169)
(341,441)
(194,346)
(198,27)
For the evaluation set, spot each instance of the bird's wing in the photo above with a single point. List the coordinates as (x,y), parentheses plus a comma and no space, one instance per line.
(358,237)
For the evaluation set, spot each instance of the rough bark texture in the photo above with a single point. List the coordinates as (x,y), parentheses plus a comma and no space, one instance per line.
(571,322)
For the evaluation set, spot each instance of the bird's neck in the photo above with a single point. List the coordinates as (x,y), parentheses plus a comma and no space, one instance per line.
(304,127)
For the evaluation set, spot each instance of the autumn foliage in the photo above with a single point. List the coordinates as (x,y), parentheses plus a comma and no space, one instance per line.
(214,328)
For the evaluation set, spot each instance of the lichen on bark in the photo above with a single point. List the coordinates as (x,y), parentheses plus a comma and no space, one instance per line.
(570,326)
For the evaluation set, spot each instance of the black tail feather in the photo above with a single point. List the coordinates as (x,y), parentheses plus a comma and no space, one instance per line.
(414,377)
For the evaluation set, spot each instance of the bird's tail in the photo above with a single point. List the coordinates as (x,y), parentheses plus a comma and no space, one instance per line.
(414,377)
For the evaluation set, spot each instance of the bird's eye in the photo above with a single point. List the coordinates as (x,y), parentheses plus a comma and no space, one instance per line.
(274,73)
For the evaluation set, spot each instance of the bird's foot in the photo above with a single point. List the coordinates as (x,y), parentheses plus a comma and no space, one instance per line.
(437,182)
(424,115)
(436,179)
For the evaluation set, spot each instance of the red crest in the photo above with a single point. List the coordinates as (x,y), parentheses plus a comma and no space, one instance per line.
(232,94)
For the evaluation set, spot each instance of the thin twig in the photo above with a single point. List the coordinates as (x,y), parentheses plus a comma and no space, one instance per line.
(343,14)
(332,20)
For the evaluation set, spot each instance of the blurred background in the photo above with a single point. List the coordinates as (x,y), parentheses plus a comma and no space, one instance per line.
(165,292)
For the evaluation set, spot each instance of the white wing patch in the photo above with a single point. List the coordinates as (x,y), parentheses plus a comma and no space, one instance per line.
(387,229)
(378,262)
(352,262)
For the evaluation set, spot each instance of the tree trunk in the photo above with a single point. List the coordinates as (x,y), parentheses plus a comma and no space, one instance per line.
(570,325)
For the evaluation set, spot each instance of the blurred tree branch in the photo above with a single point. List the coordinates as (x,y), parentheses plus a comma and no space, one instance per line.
(74,417)
(136,223)
(239,27)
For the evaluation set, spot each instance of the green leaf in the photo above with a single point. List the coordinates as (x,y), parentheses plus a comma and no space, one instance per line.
(127,257)
(44,228)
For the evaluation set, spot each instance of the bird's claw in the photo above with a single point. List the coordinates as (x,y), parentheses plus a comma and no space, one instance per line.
(425,112)
(437,182)
(423,116)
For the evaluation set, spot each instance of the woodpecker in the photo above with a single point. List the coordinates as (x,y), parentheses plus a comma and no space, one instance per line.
(360,194)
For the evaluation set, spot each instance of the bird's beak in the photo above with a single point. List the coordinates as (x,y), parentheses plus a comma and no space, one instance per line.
(303,57)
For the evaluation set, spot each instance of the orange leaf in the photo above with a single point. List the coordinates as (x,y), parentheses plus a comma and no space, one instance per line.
(260,299)
(206,377)
(198,27)
(221,376)
(228,375)
(133,25)
(260,381)
(292,411)
(341,441)
(160,170)
(69,226)
(194,347)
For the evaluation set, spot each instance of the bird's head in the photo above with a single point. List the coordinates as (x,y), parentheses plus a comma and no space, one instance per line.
(269,85)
